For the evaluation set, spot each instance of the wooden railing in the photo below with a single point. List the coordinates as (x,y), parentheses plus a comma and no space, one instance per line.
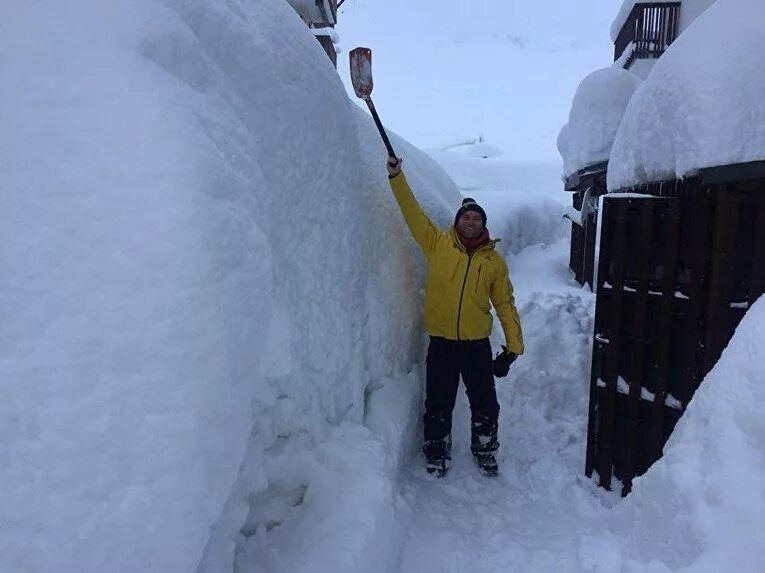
(649,30)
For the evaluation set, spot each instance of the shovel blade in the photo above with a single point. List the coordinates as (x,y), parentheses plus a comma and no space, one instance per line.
(361,71)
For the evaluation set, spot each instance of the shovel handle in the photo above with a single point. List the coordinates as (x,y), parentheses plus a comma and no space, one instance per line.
(380,127)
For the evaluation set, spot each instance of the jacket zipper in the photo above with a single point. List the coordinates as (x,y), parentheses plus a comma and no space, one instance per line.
(462,293)
(478,280)
(464,281)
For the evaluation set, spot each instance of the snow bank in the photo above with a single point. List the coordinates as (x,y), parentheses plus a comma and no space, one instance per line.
(596,112)
(205,291)
(702,104)
(330,500)
(702,506)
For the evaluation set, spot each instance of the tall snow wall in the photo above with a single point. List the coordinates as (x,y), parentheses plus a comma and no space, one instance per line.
(198,263)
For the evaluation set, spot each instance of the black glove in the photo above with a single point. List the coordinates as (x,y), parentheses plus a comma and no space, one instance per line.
(394,166)
(503,361)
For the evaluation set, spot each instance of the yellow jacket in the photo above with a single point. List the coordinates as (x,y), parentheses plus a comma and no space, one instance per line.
(459,287)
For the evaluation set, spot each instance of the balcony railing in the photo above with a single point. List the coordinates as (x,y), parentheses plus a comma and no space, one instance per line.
(649,30)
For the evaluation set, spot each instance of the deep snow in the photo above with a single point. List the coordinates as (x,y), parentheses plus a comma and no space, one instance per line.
(190,315)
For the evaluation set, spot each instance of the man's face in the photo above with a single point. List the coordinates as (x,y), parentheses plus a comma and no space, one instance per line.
(470,224)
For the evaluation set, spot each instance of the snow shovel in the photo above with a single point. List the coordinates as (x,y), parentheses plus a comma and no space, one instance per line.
(361,77)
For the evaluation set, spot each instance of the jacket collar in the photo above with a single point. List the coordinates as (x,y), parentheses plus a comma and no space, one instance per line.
(458,243)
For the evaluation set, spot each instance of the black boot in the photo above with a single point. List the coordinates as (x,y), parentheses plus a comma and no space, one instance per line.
(437,467)
(438,454)
(487,463)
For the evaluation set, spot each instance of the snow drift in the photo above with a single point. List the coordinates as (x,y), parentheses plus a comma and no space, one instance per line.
(596,113)
(702,104)
(205,279)
(701,507)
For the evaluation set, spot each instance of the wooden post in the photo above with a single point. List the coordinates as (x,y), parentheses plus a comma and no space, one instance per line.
(328,45)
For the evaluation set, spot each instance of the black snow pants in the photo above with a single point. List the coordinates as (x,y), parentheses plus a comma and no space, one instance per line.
(447,359)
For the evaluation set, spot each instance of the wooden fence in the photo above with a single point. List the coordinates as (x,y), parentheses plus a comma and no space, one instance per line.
(679,266)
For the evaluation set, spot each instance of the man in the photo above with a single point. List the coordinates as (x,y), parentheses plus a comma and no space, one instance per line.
(465,272)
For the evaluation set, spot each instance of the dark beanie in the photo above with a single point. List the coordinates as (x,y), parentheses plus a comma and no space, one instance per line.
(469,204)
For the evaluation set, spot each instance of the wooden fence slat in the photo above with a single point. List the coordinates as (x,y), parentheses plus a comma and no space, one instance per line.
(608,404)
(575,258)
(644,240)
(720,276)
(665,334)
(757,284)
(697,257)
(594,414)
(590,235)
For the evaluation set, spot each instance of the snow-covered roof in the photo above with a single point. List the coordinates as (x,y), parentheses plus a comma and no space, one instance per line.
(702,104)
(596,112)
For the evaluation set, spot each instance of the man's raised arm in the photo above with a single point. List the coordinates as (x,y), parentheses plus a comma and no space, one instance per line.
(424,231)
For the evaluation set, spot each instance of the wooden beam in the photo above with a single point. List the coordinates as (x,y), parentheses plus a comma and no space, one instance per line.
(736,172)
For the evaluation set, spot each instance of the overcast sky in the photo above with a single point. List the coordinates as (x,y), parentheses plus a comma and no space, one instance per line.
(447,71)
